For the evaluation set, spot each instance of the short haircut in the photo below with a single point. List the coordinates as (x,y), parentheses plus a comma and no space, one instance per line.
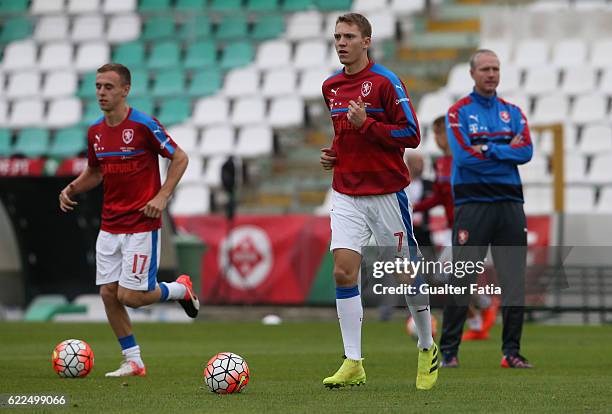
(119,69)
(358,20)
(439,122)
(477,54)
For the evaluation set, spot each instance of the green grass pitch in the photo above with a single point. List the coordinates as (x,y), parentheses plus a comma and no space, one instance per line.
(289,361)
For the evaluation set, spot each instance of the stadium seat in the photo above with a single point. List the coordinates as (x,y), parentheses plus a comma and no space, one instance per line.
(241,82)
(130,54)
(2,78)
(14,6)
(142,103)
(212,172)
(154,6)
(91,55)
(54,56)
(605,84)
(190,200)
(19,55)
(502,48)
(286,112)
(47,7)
(51,28)
(236,54)
(201,54)
(311,81)
(591,5)
(205,82)
(550,109)
(273,54)
(119,6)
(574,168)
(605,201)
(579,199)
(545,140)
(186,136)
(194,172)
(69,142)
(520,100)
(6,149)
(195,27)
(226,5)
(304,25)
(459,82)
(406,7)
(88,27)
(596,139)
(211,111)
(158,28)
(535,171)
(262,5)
(541,80)
(333,5)
(232,27)
(217,140)
(588,109)
(248,111)
(601,53)
(91,113)
(310,53)
(169,83)
(3,114)
(383,25)
(123,28)
(368,6)
(510,79)
(23,84)
(32,142)
(83,6)
(579,80)
(87,87)
(59,84)
(140,83)
(298,5)
(64,112)
(195,6)
(279,82)
(255,141)
(600,169)
(268,26)
(569,52)
(174,111)
(538,200)
(531,53)
(431,106)
(15,29)
(164,55)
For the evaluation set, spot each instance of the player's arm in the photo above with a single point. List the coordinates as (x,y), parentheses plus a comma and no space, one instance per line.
(88,179)
(178,165)
(429,202)
(520,149)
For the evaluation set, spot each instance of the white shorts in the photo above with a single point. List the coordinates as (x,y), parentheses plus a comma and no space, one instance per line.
(354,219)
(131,259)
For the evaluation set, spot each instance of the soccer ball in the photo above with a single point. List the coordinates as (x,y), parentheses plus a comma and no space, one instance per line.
(72,358)
(411,328)
(226,373)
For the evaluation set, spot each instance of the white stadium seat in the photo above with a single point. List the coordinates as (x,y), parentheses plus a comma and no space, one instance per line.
(538,200)
(119,6)
(212,173)
(311,81)
(88,27)
(273,54)
(3,113)
(600,169)
(459,83)
(19,55)
(83,6)
(502,48)
(405,7)
(605,201)
(54,56)
(27,113)
(248,111)
(368,6)
(432,105)
(304,25)
(2,80)
(211,111)
(578,80)
(310,53)
(569,52)
(383,25)
(596,139)
(51,28)
(286,112)
(550,109)
(546,140)
(194,172)
(541,80)
(255,141)
(531,53)
(47,6)
(510,80)
(64,112)
(60,84)
(520,100)
(579,199)
(190,200)
(186,136)
(601,53)
(588,109)
(574,168)
(123,28)
(218,140)
(279,82)
(535,171)
(23,84)
(91,55)
(241,82)
(605,85)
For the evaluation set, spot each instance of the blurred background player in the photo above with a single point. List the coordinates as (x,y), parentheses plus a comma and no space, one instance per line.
(123,150)
(488,137)
(373,123)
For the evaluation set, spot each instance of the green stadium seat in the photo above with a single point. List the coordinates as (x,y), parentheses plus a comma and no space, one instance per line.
(174,111)
(232,27)
(143,104)
(158,28)
(205,82)
(14,6)
(237,54)
(87,88)
(130,54)
(154,6)
(331,5)
(262,5)
(5,143)
(226,5)
(69,142)
(164,55)
(298,5)
(91,113)
(32,142)
(190,5)
(268,26)
(195,27)
(169,83)
(15,29)
(201,54)
(140,83)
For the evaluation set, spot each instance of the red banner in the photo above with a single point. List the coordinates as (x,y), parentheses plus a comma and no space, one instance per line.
(14,167)
(259,259)
(71,167)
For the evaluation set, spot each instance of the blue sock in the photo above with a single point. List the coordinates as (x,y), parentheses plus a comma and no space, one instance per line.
(164,292)
(127,342)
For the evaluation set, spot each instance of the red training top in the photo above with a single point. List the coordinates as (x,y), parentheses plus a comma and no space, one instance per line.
(442,192)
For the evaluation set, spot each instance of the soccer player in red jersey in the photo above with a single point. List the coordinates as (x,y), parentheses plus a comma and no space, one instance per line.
(373,123)
(123,150)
